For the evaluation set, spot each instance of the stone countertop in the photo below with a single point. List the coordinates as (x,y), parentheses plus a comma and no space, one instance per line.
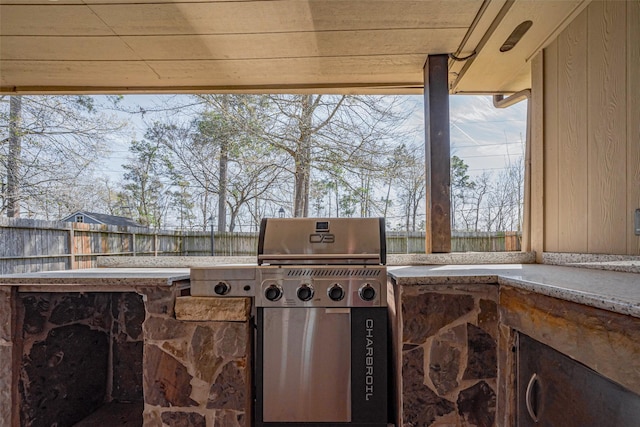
(172,261)
(467,258)
(625,263)
(614,291)
(93,278)
(392,259)
(609,290)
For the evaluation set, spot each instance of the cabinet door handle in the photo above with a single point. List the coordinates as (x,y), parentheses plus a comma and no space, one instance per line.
(530,389)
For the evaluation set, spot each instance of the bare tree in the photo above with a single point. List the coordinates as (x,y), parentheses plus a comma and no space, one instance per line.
(412,187)
(490,202)
(480,191)
(13,160)
(216,152)
(319,132)
(50,140)
(234,124)
(505,200)
(296,120)
(343,140)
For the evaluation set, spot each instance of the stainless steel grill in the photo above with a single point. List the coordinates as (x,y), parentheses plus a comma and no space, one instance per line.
(322,323)
(320,292)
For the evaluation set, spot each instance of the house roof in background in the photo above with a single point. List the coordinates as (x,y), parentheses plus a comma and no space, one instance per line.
(105,219)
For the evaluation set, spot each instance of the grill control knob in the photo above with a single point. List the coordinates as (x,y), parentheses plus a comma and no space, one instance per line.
(273,293)
(335,292)
(367,292)
(305,292)
(221,288)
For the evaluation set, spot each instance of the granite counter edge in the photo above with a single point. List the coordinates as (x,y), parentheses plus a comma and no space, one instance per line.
(591,299)
(106,284)
(600,301)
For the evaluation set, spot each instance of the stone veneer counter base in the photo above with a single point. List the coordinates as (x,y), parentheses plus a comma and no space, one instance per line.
(115,415)
(446,352)
(451,339)
(457,328)
(195,369)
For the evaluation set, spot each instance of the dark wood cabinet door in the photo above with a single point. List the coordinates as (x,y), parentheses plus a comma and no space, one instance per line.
(558,391)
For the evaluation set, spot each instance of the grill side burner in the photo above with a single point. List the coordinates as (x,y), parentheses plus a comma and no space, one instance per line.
(224,281)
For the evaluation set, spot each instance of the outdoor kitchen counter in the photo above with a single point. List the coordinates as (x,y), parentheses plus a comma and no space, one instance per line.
(131,337)
(458,327)
(609,290)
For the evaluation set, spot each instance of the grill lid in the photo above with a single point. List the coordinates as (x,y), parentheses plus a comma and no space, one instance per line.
(322,241)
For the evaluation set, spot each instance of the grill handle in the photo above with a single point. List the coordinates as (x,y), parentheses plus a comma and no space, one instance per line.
(288,258)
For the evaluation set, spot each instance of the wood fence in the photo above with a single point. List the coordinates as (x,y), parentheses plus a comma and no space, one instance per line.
(32,245)
(401,242)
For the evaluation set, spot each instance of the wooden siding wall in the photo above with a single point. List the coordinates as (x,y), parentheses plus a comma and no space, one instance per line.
(591,132)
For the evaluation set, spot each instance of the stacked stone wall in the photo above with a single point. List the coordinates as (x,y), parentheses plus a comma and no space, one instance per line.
(127,344)
(79,351)
(197,370)
(449,355)
(8,356)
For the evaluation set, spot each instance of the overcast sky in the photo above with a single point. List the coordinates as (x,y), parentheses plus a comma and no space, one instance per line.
(486,138)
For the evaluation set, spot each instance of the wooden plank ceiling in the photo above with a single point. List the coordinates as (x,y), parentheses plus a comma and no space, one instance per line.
(348,46)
